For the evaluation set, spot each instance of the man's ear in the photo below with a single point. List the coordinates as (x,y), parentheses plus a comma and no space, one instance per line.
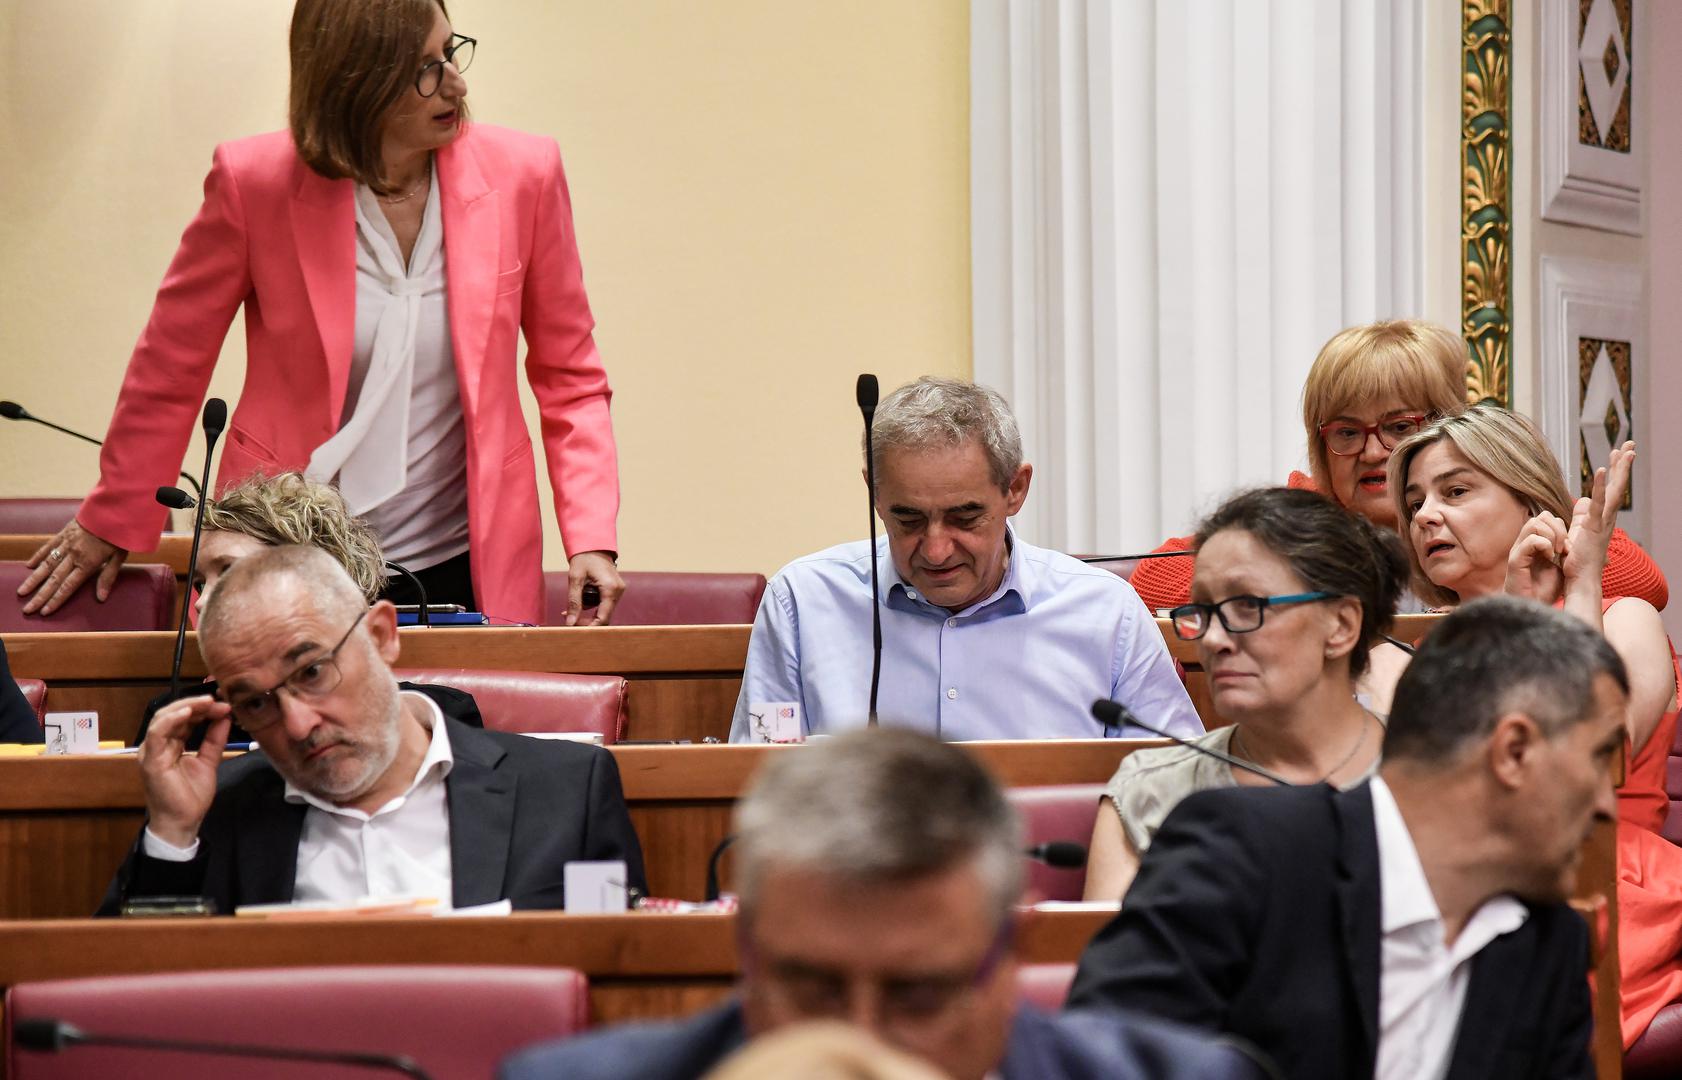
(1016,492)
(382,627)
(1514,749)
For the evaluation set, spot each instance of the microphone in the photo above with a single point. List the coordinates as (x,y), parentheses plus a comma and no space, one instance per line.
(1060,854)
(867,393)
(11,410)
(176,499)
(425,617)
(712,867)
(1115,714)
(215,419)
(52,1036)
(1135,558)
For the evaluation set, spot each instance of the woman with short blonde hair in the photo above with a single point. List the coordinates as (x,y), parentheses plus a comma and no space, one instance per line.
(1370,387)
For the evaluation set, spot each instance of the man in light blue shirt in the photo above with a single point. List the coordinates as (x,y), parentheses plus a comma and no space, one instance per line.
(983,635)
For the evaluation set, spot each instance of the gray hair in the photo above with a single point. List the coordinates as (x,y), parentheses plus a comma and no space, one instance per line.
(935,412)
(249,585)
(878,806)
(1495,656)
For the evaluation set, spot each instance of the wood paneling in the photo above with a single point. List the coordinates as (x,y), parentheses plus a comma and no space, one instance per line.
(639,966)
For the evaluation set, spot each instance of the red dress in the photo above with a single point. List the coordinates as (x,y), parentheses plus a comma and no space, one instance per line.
(1649,886)
(1630,571)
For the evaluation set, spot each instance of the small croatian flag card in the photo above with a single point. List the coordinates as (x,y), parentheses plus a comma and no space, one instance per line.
(72,732)
(775,722)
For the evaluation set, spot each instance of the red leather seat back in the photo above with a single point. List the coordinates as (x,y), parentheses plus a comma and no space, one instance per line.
(35,692)
(1672,829)
(142,599)
(455,1022)
(658,598)
(36,517)
(1057,812)
(1657,1054)
(1045,986)
(538,700)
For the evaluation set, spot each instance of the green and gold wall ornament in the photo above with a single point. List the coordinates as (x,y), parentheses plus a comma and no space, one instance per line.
(1486,314)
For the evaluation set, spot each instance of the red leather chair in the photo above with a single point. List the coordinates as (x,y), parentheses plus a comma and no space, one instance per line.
(658,598)
(455,1022)
(1058,812)
(142,599)
(1045,986)
(35,692)
(36,517)
(538,700)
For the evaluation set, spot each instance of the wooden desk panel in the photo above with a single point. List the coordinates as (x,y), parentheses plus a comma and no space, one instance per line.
(639,966)
(683,679)
(66,823)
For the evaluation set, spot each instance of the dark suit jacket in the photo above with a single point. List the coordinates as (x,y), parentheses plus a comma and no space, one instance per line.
(1256,912)
(1070,1046)
(520,809)
(17,719)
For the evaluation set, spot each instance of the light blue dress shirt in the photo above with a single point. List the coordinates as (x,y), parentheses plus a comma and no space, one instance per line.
(1025,663)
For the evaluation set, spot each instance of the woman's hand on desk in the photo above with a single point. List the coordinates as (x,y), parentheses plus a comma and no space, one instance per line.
(179,785)
(61,565)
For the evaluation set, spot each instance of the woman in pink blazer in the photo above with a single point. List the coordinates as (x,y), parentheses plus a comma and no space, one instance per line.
(287,231)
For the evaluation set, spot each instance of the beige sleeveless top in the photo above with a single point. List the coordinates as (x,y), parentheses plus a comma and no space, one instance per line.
(1150,783)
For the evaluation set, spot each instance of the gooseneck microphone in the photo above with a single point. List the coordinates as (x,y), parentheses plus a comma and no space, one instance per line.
(1135,558)
(11,410)
(868,392)
(215,419)
(1115,714)
(53,1036)
(1059,854)
(712,867)
(425,616)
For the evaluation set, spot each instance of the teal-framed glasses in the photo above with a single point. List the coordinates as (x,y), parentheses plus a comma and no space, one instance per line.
(1238,614)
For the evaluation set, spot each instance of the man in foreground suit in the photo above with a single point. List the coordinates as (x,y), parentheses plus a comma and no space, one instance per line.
(359,789)
(878,874)
(1415,926)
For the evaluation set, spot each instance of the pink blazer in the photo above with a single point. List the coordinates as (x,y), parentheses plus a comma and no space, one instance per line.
(276,237)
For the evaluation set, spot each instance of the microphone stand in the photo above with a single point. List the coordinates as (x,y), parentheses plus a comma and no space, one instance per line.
(52,1036)
(868,392)
(425,617)
(215,419)
(1115,714)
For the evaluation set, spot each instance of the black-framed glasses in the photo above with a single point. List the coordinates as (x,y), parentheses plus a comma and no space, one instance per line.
(1238,614)
(1346,438)
(459,53)
(311,679)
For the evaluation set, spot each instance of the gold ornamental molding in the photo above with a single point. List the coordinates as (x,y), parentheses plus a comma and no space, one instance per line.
(1486,314)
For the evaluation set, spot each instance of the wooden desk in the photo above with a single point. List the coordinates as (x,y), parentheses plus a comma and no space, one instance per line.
(66,823)
(639,966)
(684,680)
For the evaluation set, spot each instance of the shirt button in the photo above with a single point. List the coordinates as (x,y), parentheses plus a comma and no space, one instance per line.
(912,593)
(951,622)
(951,693)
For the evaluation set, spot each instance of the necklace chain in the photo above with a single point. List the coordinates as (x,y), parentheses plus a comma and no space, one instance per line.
(393,200)
(1360,741)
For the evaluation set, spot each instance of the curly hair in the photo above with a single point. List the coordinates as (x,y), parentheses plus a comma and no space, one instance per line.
(290,509)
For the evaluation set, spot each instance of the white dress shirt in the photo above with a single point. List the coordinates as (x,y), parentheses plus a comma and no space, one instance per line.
(400,453)
(401,849)
(1422,981)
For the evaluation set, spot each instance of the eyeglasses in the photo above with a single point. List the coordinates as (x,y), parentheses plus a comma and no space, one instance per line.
(1238,614)
(816,993)
(313,679)
(459,52)
(1346,438)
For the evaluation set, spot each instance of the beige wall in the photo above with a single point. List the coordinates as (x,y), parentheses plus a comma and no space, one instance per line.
(770,197)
